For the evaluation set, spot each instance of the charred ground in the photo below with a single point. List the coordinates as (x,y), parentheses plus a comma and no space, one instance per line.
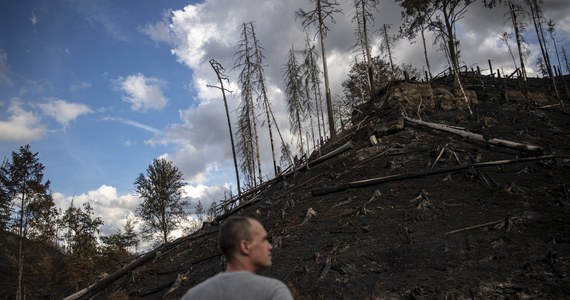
(499,232)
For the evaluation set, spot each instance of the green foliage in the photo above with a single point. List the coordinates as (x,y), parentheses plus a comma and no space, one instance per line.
(162,208)
(355,87)
(81,231)
(21,183)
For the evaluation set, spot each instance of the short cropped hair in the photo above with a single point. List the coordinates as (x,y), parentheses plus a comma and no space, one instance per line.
(232,232)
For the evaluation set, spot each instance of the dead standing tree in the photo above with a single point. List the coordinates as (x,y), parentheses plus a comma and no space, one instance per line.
(538,20)
(310,76)
(221,77)
(387,44)
(248,140)
(363,17)
(515,13)
(295,99)
(323,9)
(259,83)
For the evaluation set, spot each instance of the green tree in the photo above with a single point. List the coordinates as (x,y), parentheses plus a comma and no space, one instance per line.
(81,230)
(416,18)
(162,208)
(446,14)
(200,211)
(355,87)
(115,248)
(5,203)
(23,184)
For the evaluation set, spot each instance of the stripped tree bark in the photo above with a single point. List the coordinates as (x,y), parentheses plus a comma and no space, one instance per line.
(221,77)
(477,137)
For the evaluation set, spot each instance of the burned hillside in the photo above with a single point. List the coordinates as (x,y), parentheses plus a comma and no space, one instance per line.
(400,210)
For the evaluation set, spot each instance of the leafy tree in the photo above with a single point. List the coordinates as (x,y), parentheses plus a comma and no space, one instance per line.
(115,247)
(355,86)
(130,237)
(5,203)
(417,17)
(447,13)
(81,230)
(23,184)
(324,9)
(162,208)
(200,210)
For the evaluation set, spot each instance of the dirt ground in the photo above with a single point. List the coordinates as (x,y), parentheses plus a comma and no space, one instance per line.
(495,232)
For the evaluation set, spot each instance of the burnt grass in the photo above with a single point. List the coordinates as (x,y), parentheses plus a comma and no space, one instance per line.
(496,232)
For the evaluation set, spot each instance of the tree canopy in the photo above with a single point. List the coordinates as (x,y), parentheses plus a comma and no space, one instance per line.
(162,208)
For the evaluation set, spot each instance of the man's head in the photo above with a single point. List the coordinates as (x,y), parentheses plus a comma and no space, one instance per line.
(244,241)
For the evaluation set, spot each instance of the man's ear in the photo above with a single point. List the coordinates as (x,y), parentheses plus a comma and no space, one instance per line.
(244,247)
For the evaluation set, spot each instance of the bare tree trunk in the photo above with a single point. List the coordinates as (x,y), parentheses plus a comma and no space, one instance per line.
(218,69)
(326,71)
(387,41)
(535,14)
(425,51)
(519,47)
(265,99)
(367,48)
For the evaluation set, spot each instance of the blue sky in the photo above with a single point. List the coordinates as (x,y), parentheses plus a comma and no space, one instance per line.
(101,88)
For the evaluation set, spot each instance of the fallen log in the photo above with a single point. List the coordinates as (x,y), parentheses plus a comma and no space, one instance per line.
(477,137)
(378,180)
(103,283)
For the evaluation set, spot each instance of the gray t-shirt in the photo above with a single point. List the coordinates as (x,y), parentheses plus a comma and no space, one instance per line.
(239,285)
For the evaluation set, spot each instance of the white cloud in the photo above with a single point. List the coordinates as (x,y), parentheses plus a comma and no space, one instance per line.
(200,32)
(134,124)
(4,69)
(79,86)
(22,125)
(64,112)
(34,21)
(112,208)
(144,93)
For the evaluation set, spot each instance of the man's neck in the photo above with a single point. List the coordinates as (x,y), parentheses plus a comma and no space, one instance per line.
(237,265)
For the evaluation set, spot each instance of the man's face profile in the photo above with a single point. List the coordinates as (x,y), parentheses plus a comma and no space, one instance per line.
(259,247)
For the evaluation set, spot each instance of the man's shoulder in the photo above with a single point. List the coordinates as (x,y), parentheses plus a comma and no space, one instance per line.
(231,284)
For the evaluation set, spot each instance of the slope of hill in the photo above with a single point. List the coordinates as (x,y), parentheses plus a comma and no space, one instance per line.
(422,214)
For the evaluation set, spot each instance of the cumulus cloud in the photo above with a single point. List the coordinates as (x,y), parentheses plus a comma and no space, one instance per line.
(64,112)
(22,125)
(199,32)
(144,93)
(112,208)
